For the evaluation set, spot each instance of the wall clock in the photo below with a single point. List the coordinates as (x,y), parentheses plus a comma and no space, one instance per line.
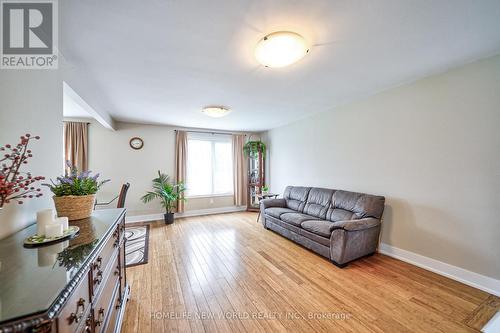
(136,143)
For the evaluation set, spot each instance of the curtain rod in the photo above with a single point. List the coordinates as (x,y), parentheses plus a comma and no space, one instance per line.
(211,132)
(76,121)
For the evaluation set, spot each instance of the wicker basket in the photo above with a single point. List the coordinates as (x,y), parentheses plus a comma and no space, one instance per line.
(75,207)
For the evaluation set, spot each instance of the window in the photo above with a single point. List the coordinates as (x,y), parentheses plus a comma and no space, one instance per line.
(209,165)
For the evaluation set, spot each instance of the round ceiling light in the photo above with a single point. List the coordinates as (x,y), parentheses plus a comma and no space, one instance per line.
(216,111)
(280,49)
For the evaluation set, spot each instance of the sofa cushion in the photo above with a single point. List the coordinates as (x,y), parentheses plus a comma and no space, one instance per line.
(277,211)
(299,231)
(318,201)
(319,227)
(295,218)
(296,197)
(352,205)
(369,206)
(338,214)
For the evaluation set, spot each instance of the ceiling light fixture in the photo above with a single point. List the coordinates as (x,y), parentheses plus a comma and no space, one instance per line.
(281,48)
(216,111)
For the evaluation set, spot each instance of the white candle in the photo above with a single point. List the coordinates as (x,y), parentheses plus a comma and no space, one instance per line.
(53,230)
(43,218)
(63,221)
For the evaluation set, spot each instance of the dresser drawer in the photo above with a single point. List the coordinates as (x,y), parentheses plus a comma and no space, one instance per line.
(101,262)
(102,305)
(114,310)
(77,308)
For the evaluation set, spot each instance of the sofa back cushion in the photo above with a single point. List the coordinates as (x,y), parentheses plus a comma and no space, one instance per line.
(352,206)
(295,197)
(318,202)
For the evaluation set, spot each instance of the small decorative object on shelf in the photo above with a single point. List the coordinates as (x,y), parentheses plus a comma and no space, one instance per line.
(169,193)
(74,194)
(265,189)
(256,152)
(14,184)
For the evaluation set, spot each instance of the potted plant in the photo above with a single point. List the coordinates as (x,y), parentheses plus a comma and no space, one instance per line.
(252,148)
(265,189)
(74,193)
(168,193)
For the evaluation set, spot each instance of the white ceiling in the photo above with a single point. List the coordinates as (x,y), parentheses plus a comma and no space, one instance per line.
(162,61)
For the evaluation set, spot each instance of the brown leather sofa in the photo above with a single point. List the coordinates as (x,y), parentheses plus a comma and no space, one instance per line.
(339,225)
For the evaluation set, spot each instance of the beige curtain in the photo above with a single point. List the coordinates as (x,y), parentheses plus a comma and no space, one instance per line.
(240,173)
(76,144)
(180,162)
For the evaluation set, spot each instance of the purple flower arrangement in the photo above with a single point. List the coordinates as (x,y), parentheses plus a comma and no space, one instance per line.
(75,183)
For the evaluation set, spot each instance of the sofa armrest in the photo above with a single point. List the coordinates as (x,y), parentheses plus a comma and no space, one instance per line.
(266,203)
(355,225)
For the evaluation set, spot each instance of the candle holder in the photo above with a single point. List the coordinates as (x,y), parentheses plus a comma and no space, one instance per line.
(36,240)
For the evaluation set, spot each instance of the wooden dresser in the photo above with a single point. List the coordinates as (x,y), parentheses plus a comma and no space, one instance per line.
(76,286)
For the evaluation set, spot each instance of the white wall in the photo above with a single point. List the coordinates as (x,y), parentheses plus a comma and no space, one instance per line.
(31,102)
(432,148)
(111,156)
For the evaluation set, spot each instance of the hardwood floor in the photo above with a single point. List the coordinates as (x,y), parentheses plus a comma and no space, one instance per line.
(227,273)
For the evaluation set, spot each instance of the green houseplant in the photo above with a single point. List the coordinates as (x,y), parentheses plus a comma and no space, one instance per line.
(252,148)
(168,193)
(74,193)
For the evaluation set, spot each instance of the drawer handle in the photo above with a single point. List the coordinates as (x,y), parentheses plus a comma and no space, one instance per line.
(77,316)
(88,324)
(100,317)
(98,279)
(98,263)
(119,305)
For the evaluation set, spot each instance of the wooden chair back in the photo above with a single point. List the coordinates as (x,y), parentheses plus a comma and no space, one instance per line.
(123,195)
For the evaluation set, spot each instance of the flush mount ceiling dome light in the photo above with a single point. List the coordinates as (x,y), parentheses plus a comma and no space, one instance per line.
(216,111)
(281,48)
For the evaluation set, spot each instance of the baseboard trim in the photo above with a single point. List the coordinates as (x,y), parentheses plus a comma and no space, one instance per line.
(210,211)
(493,325)
(143,218)
(472,279)
(198,212)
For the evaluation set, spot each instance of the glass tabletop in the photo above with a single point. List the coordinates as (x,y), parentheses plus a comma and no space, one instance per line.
(31,279)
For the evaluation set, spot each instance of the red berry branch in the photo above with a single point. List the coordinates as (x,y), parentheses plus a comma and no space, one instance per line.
(14,184)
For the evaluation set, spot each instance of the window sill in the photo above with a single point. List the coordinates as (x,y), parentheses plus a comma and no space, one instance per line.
(210,196)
